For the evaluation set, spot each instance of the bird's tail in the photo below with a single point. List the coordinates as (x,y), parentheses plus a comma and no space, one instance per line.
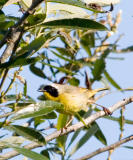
(91,93)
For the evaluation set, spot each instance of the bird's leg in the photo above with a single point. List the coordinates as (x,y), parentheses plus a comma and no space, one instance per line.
(67,124)
(69,121)
(106,110)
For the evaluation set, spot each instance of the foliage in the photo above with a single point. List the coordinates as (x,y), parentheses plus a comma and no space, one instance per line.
(60,41)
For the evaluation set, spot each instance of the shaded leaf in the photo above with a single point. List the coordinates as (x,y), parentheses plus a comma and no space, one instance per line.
(25,89)
(37,71)
(125,50)
(45,153)
(90,132)
(111,80)
(35,45)
(20,61)
(6,25)
(75,23)
(35,19)
(61,142)
(28,153)
(27,132)
(129,147)
(64,58)
(62,69)
(75,135)
(73,81)
(99,135)
(64,51)
(98,69)
(2,2)
(87,41)
(99,66)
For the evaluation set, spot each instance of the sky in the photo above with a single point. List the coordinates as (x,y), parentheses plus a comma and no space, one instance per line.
(121,71)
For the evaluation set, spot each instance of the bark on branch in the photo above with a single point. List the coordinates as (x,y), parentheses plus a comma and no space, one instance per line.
(13,34)
(104,149)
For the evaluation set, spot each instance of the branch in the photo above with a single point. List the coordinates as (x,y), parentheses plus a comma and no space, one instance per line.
(104,149)
(15,31)
(72,128)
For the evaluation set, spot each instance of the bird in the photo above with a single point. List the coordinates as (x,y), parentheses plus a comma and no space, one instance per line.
(73,98)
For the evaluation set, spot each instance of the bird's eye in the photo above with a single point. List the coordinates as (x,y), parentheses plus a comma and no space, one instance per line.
(51,90)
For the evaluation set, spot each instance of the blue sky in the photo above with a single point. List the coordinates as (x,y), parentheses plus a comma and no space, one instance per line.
(121,71)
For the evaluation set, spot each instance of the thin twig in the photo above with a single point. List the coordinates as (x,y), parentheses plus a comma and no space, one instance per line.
(104,149)
(72,128)
(3,79)
(15,31)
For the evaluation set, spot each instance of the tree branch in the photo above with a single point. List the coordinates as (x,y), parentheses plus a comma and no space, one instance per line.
(72,128)
(15,31)
(104,149)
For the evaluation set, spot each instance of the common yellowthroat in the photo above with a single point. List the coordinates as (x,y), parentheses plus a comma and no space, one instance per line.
(73,98)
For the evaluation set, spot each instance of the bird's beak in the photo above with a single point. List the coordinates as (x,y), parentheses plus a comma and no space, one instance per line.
(40,90)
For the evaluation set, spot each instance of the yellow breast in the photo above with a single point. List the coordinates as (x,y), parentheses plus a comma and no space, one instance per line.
(72,102)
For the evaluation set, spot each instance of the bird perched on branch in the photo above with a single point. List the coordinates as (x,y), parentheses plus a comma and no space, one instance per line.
(73,98)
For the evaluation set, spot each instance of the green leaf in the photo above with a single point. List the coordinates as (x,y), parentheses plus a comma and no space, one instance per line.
(6,25)
(64,70)
(35,19)
(99,66)
(74,81)
(65,51)
(2,2)
(64,58)
(75,23)
(129,147)
(26,152)
(75,135)
(98,69)
(87,41)
(77,3)
(124,50)
(35,45)
(90,132)
(45,153)
(37,71)
(61,142)
(25,89)
(62,119)
(51,115)
(27,132)
(111,80)
(99,134)
(41,119)
(127,121)
(20,61)
(36,110)
(12,140)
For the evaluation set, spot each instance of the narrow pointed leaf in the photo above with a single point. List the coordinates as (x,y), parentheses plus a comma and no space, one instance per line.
(75,135)
(28,153)
(99,135)
(75,23)
(27,132)
(37,71)
(62,119)
(90,132)
(64,70)
(111,80)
